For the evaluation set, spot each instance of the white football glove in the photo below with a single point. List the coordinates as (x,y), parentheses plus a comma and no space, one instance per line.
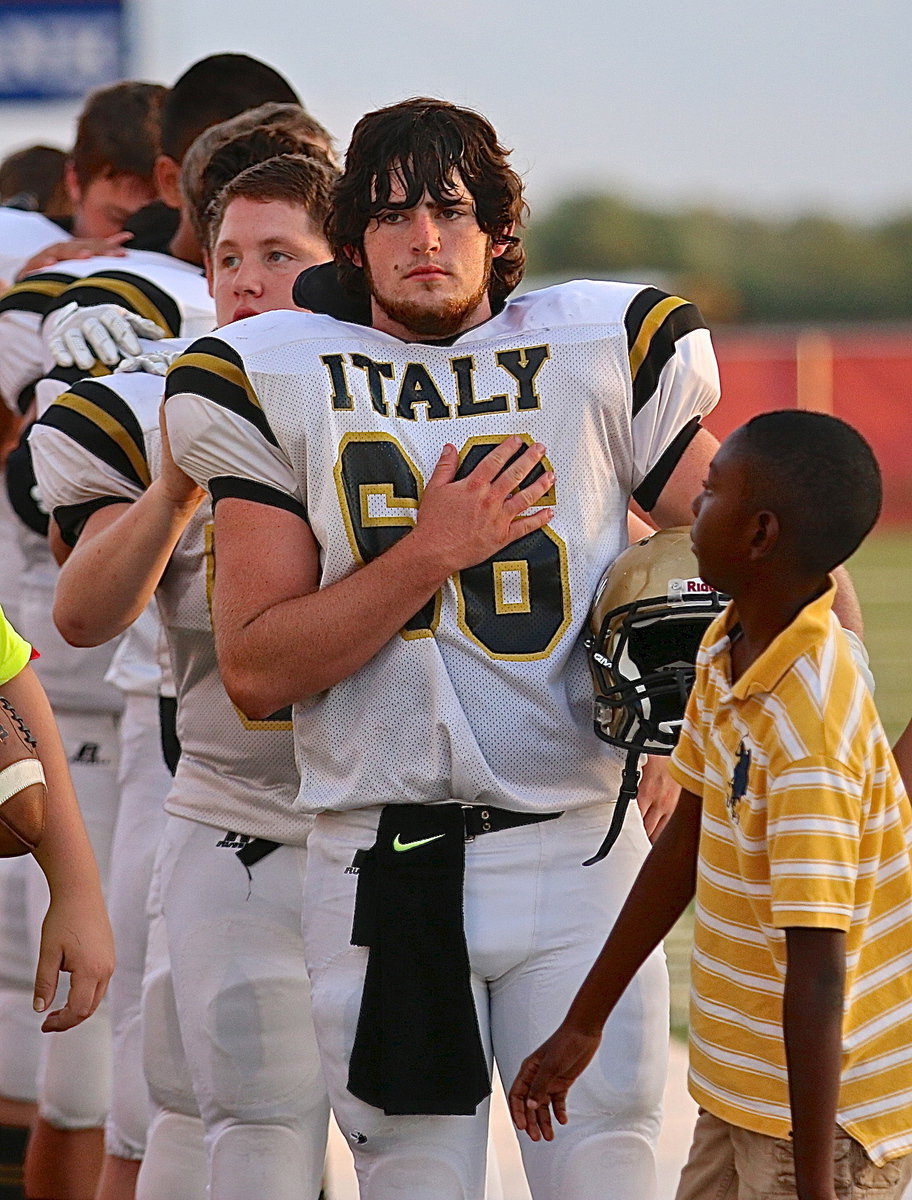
(154,362)
(80,337)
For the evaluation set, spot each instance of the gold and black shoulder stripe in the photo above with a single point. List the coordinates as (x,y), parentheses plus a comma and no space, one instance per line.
(133,292)
(35,293)
(104,424)
(213,369)
(67,375)
(654,322)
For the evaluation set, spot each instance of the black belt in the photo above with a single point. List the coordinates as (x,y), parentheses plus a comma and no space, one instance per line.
(480,819)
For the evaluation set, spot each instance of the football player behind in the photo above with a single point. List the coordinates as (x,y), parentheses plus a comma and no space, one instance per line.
(212,90)
(164,290)
(112,168)
(75,935)
(108,176)
(423,566)
(170,286)
(232,900)
(100,335)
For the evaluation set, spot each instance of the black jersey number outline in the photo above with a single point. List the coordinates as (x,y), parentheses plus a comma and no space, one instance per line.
(514,606)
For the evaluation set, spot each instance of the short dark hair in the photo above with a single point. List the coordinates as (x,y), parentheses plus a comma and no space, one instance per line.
(119,132)
(33,179)
(251,137)
(294,178)
(819,476)
(424,143)
(214,89)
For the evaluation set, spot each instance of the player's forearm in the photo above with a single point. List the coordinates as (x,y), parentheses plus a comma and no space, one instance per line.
(306,644)
(64,854)
(116,566)
(662,890)
(812,1027)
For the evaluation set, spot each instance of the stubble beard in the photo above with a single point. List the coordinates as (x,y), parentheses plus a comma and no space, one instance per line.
(444,319)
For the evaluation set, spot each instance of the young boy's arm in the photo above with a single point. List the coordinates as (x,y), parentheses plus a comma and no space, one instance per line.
(663,889)
(76,935)
(812,1027)
(902,752)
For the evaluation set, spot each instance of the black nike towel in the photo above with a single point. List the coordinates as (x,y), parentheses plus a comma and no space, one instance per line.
(417,1047)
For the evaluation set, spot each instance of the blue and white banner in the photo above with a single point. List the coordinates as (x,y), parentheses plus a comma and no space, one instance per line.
(59,49)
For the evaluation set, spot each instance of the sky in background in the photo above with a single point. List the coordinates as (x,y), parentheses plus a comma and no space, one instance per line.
(776,107)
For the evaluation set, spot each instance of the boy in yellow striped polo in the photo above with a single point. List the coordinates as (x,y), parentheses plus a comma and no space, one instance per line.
(794,831)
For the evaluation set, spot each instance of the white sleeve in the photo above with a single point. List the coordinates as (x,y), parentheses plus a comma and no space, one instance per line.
(22,311)
(675,383)
(88,451)
(20,354)
(219,433)
(22,235)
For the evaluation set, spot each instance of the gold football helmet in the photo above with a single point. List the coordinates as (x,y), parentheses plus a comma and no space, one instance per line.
(650,611)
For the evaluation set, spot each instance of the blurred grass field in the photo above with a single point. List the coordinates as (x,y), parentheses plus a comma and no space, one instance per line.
(882,573)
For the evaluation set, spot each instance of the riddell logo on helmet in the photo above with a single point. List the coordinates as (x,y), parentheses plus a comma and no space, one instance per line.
(679,588)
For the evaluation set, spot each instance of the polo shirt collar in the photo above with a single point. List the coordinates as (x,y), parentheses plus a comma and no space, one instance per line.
(809,628)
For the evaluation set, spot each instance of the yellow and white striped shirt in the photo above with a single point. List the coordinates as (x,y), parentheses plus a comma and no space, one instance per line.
(805,823)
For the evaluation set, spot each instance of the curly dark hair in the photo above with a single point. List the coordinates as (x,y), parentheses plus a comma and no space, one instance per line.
(423,143)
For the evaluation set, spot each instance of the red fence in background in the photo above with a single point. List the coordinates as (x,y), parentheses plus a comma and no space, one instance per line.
(863,375)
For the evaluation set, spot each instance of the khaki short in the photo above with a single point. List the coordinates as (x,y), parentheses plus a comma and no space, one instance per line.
(729,1163)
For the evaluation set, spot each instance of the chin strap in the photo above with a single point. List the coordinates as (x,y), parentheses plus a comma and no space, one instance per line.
(630,782)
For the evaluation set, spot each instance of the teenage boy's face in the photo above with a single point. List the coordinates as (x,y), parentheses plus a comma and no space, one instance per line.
(427,267)
(107,201)
(260,249)
(719,532)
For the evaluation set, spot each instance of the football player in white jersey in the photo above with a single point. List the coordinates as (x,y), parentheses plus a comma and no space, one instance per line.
(410,523)
(231,899)
(110,176)
(212,158)
(173,295)
(65,1149)
(380,569)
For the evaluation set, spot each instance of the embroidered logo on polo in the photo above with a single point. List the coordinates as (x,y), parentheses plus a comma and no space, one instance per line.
(739,781)
(400,845)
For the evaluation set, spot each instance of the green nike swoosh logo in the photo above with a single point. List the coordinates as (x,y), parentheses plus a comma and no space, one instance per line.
(399,845)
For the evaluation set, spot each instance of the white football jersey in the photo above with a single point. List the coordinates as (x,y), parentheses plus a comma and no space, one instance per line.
(72,676)
(485,695)
(23,234)
(168,291)
(136,668)
(100,443)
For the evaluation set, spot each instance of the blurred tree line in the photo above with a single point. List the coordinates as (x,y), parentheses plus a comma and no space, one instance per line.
(736,268)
